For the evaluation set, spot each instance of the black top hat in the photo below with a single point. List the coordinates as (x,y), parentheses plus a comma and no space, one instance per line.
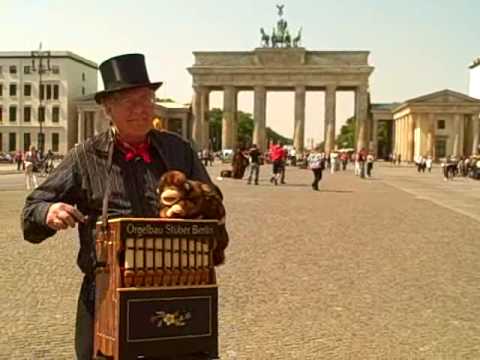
(124,72)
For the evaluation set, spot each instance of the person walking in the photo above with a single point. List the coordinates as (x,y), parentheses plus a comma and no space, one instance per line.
(254,157)
(316,162)
(370,161)
(19,159)
(31,161)
(428,163)
(276,155)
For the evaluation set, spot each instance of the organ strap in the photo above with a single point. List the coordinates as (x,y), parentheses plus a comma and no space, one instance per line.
(102,256)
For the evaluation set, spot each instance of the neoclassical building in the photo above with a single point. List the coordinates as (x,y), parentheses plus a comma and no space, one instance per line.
(440,124)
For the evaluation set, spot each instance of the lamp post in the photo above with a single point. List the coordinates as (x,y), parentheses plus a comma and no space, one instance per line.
(41,64)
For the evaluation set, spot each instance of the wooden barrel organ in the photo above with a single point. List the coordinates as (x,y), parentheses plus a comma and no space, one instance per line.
(156,292)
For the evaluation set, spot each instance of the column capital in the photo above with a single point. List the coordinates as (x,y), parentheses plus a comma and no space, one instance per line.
(300,88)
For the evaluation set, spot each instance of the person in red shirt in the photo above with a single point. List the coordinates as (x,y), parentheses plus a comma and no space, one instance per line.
(277,155)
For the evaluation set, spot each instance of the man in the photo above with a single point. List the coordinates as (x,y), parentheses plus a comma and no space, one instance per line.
(276,155)
(138,155)
(254,156)
(316,162)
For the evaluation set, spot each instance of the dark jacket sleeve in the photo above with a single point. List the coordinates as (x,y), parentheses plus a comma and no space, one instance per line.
(62,185)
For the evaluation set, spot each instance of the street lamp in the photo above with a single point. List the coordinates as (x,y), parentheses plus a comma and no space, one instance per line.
(39,57)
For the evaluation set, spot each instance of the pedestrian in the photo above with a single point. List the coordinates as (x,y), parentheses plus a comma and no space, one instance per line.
(370,161)
(239,163)
(333,162)
(31,161)
(254,157)
(19,159)
(276,154)
(428,163)
(344,160)
(129,158)
(316,162)
(205,157)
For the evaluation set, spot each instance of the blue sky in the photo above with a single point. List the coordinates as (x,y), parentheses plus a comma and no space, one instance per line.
(416,46)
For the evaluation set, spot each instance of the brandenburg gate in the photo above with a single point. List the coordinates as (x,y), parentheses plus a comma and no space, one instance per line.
(279,69)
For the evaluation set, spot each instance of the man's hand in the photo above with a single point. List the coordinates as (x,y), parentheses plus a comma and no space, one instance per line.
(60,216)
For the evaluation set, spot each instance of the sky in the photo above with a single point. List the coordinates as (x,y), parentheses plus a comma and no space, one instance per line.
(416,47)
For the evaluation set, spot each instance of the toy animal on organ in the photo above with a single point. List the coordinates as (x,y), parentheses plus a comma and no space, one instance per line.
(182,198)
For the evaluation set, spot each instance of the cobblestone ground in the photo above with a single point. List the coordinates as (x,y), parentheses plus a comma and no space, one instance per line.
(359,270)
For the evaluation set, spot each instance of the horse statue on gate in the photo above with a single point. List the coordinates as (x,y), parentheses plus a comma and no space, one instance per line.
(274,38)
(297,39)
(265,40)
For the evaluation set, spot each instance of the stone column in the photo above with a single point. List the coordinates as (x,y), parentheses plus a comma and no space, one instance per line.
(475,133)
(456,136)
(259,117)
(330,111)
(204,112)
(361,114)
(299,128)
(197,127)
(430,134)
(81,127)
(229,115)
(410,137)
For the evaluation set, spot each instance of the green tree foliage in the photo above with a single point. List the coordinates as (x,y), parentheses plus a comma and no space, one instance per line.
(245,130)
(346,138)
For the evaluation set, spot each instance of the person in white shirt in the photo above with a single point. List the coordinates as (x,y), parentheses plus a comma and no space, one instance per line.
(30,161)
(316,162)
(428,163)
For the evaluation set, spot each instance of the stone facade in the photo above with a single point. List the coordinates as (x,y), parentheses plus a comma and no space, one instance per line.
(267,69)
(68,77)
(440,124)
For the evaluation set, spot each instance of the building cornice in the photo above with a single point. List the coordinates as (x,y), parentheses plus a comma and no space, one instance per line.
(53,55)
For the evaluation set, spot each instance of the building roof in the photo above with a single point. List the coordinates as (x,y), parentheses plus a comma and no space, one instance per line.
(53,55)
(446,94)
(384,106)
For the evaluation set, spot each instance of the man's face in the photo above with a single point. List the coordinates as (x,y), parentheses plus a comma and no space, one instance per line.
(131,111)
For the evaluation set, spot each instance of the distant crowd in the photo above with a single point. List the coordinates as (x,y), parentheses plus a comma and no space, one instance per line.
(279,157)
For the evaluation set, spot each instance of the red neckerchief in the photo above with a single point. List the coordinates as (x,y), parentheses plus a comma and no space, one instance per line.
(135,151)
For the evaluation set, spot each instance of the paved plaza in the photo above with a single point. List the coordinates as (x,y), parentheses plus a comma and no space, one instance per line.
(384,268)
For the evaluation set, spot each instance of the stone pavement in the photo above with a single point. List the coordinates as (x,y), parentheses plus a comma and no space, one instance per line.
(359,270)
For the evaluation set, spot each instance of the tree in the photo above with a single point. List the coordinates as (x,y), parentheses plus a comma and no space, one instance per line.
(346,138)
(245,130)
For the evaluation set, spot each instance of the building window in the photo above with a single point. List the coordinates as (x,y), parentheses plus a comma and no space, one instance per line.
(13,69)
(83,90)
(27,114)
(1,142)
(55,141)
(1,70)
(27,69)
(1,114)
(49,92)
(27,90)
(83,76)
(55,92)
(1,89)
(26,141)
(55,114)
(12,142)
(441,124)
(56,69)
(13,89)
(13,113)
(41,114)
(42,92)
